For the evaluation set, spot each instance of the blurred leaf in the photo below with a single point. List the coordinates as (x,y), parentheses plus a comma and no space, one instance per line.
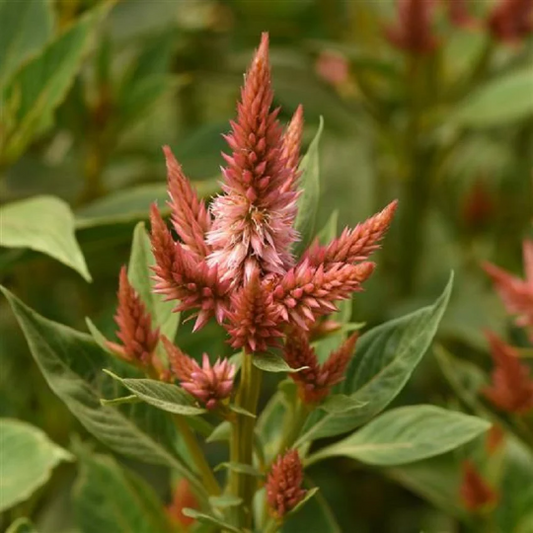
(270,425)
(270,362)
(224,501)
(27,458)
(221,433)
(22,525)
(386,358)
(71,363)
(44,224)
(500,101)
(42,83)
(165,396)
(24,28)
(140,275)
(111,499)
(310,184)
(405,435)
(241,468)
(208,519)
(308,495)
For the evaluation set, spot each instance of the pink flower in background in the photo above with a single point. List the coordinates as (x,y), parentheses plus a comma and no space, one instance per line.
(459,14)
(476,494)
(332,67)
(182,497)
(511,20)
(284,484)
(516,293)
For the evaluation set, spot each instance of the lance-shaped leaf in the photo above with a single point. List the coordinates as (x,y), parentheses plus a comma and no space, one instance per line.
(210,520)
(71,363)
(27,458)
(111,499)
(405,435)
(44,224)
(270,362)
(164,396)
(385,359)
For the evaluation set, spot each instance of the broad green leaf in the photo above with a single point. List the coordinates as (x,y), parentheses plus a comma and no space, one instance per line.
(44,224)
(71,363)
(140,275)
(22,525)
(109,498)
(385,359)
(405,435)
(270,362)
(27,458)
(35,91)
(212,520)
(164,396)
(501,101)
(24,28)
(310,185)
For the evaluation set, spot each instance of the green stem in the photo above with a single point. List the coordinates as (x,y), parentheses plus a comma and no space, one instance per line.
(242,440)
(295,424)
(197,456)
(272,526)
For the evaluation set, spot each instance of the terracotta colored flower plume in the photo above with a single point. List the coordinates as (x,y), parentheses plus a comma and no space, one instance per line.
(459,14)
(235,262)
(512,385)
(511,20)
(182,497)
(208,383)
(315,382)
(284,484)
(139,339)
(413,32)
(516,294)
(476,494)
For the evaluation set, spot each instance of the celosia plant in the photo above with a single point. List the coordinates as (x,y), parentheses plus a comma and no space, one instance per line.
(234,262)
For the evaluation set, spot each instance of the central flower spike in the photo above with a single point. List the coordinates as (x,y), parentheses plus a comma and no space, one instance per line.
(254,219)
(234,261)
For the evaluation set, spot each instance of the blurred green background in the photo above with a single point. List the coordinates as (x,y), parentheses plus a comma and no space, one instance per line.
(91,91)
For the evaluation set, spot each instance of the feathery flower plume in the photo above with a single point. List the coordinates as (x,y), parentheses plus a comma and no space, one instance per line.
(511,20)
(182,497)
(253,322)
(290,153)
(355,244)
(179,275)
(190,217)
(512,385)
(413,31)
(516,294)
(458,13)
(135,331)
(181,365)
(314,383)
(476,494)
(284,484)
(253,220)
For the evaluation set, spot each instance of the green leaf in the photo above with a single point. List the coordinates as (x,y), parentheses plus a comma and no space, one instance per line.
(308,495)
(27,458)
(24,28)
(140,275)
(120,401)
(241,411)
(111,499)
(97,335)
(386,357)
(221,433)
(36,90)
(310,185)
(241,468)
(71,363)
(208,519)
(270,362)
(164,396)
(405,435)
(340,403)
(225,501)
(501,101)
(44,224)
(22,525)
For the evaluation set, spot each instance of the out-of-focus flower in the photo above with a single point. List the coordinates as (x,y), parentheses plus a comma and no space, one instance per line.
(333,68)
(476,494)
(139,339)
(511,20)
(284,484)
(459,14)
(516,294)
(182,497)
(512,386)
(478,207)
(208,383)
(315,382)
(495,439)
(413,31)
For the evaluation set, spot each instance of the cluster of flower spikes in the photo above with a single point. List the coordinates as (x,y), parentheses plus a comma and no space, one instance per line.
(234,262)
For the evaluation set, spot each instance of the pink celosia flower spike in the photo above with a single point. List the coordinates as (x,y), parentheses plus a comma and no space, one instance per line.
(253,220)
(189,214)
(511,20)
(476,493)
(516,294)
(356,244)
(512,385)
(314,383)
(284,484)
(459,14)
(135,326)
(292,140)
(181,365)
